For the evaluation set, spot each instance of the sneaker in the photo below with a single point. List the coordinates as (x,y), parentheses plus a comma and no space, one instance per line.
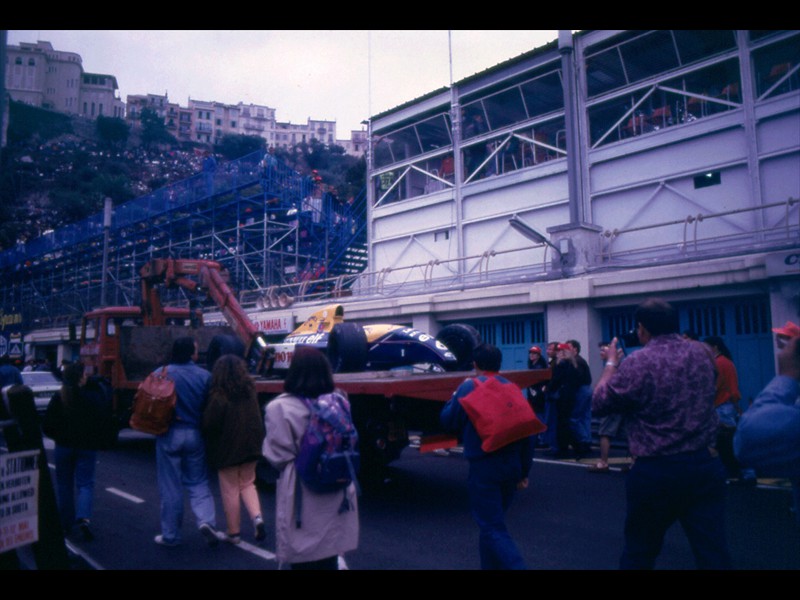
(261,531)
(162,541)
(86,533)
(210,533)
(233,538)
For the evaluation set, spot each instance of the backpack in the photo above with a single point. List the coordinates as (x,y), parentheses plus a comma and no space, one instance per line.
(154,404)
(328,458)
(500,413)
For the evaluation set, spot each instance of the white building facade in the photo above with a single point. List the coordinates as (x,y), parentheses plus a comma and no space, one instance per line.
(544,198)
(41,76)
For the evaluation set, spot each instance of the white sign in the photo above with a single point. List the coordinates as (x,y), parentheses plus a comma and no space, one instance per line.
(19,499)
(784,263)
(271,324)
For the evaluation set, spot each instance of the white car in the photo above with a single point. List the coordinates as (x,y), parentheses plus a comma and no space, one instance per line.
(43,384)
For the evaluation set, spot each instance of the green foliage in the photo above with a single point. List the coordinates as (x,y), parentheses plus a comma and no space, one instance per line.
(154,132)
(112,131)
(116,187)
(26,123)
(345,174)
(75,205)
(233,146)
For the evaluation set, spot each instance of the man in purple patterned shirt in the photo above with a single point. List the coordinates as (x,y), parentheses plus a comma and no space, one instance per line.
(666,393)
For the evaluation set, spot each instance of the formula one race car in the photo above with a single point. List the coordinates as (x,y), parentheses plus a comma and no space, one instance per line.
(354,348)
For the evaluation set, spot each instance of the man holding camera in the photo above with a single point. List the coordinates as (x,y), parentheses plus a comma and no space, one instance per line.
(666,393)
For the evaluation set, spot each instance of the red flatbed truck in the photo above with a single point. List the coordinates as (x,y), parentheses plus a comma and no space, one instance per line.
(124,344)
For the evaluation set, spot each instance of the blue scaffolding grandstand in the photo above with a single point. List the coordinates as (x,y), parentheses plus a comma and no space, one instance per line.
(273,229)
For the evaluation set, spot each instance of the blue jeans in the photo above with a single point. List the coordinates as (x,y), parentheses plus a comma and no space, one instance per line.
(689,488)
(492,483)
(580,420)
(728,416)
(181,463)
(74,470)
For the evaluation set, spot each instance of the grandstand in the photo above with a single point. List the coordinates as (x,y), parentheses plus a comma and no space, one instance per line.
(275,230)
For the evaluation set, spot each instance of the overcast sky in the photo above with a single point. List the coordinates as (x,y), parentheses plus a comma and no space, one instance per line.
(339,75)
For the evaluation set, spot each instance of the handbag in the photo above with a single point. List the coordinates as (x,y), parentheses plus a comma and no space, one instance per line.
(154,404)
(500,413)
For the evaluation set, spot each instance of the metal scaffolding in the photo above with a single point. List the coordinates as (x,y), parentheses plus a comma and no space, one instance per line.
(272,228)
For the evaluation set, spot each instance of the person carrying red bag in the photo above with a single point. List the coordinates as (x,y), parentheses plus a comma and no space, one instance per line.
(494,475)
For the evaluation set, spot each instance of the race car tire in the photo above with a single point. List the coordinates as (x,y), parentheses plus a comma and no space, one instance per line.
(347,348)
(461,339)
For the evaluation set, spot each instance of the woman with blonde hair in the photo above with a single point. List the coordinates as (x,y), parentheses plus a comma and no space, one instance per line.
(234,432)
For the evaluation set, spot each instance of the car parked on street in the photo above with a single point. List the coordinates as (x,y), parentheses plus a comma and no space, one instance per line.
(43,384)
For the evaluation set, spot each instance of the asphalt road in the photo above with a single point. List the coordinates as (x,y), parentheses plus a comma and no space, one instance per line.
(419,519)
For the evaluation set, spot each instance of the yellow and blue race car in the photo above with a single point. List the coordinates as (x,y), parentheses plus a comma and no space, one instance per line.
(353,348)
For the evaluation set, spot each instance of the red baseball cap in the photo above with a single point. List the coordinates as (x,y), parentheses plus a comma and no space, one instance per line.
(789,330)
(535,349)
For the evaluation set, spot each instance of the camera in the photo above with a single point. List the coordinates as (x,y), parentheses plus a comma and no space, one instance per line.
(629,339)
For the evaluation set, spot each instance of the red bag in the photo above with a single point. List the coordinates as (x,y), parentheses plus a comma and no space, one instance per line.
(500,413)
(154,404)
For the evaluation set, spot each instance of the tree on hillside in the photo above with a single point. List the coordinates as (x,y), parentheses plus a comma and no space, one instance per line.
(154,131)
(29,122)
(233,146)
(336,168)
(112,131)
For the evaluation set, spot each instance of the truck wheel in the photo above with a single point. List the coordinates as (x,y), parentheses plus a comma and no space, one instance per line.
(461,339)
(347,348)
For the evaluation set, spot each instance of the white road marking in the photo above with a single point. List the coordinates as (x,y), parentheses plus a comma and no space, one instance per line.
(90,561)
(265,554)
(125,495)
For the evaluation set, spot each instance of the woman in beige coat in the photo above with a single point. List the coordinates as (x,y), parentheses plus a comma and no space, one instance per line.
(325,531)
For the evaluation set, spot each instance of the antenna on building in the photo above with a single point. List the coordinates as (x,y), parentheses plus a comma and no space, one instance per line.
(369,73)
(450,54)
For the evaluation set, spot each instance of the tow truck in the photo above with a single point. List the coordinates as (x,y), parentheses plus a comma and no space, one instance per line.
(397,377)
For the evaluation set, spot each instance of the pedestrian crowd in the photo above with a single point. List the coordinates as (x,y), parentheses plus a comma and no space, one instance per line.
(675,399)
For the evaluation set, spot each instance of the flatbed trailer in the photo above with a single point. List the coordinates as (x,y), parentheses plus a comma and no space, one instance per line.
(125,344)
(388,404)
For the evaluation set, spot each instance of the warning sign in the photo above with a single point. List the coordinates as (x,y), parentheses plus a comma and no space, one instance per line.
(19,499)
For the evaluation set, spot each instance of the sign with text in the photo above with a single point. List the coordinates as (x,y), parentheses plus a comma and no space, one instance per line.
(19,499)
(11,334)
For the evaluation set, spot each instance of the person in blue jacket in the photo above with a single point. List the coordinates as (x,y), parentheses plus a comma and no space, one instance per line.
(494,477)
(768,435)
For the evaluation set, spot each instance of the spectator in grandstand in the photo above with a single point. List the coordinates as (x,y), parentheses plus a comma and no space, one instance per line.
(209,171)
(666,393)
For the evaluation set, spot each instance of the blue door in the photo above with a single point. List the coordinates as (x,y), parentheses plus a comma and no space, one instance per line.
(514,336)
(744,324)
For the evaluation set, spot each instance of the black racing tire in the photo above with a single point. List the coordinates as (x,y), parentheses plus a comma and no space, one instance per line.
(347,348)
(461,339)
